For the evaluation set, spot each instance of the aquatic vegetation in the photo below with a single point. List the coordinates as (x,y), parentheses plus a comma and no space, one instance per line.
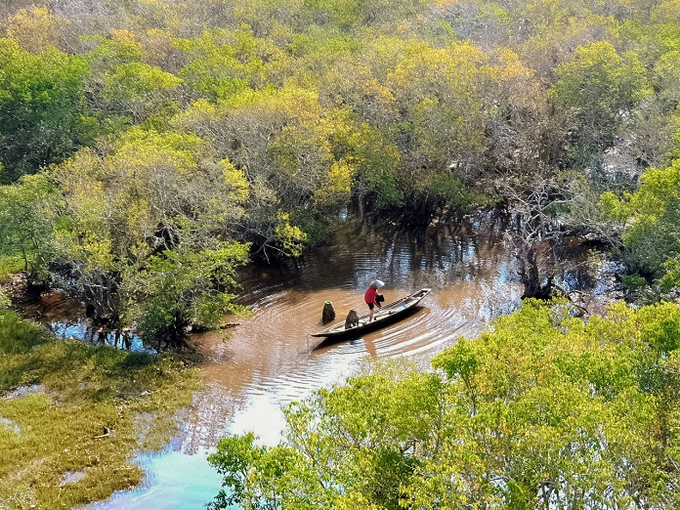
(72,415)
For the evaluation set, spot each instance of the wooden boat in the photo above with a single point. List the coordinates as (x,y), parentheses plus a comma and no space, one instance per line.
(382,317)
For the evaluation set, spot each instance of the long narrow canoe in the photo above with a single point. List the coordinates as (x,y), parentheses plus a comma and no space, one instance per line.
(382,317)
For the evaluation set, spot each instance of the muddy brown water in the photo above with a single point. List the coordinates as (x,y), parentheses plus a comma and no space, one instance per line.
(255,369)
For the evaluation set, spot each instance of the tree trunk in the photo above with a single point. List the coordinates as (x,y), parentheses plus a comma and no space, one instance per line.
(531,277)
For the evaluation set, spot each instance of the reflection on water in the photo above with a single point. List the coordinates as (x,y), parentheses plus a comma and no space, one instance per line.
(252,371)
(66,319)
(80,329)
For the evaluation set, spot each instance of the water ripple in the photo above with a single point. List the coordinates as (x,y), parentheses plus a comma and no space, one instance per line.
(254,370)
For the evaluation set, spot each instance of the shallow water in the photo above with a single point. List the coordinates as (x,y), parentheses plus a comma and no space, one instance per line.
(253,370)
(66,319)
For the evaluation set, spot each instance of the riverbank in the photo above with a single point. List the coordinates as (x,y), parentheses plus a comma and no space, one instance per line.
(72,415)
(267,363)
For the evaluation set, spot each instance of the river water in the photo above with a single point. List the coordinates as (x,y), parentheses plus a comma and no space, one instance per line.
(268,360)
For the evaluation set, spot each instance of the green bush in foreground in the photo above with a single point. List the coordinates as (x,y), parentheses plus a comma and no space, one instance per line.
(57,397)
(544,411)
(18,336)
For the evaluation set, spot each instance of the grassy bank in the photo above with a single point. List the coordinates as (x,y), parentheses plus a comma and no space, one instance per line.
(56,398)
(10,265)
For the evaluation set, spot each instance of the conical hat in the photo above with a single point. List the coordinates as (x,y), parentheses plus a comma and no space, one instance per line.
(377,284)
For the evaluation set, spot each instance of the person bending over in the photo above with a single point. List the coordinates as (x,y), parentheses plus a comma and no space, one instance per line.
(373,298)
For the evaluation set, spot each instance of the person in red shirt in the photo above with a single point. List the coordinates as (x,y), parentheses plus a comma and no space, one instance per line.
(372,297)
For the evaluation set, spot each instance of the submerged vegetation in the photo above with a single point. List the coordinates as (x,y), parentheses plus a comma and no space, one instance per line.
(73,416)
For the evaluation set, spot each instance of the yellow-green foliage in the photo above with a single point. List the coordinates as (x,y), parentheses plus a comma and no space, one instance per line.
(652,220)
(222,63)
(57,397)
(35,28)
(543,410)
(10,265)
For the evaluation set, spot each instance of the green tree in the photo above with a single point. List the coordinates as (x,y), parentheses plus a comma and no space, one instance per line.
(355,443)
(151,221)
(543,411)
(600,87)
(354,13)
(283,142)
(182,288)
(650,219)
(138,90)
(437,125)
(119,47)
(41,117)
(124,88)
(222,63)
(27,222)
